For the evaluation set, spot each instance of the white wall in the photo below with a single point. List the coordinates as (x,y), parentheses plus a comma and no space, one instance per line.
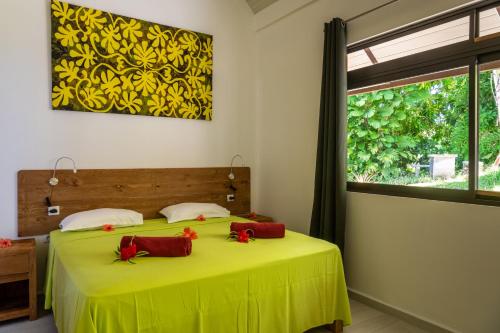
(436,260)
(33,136)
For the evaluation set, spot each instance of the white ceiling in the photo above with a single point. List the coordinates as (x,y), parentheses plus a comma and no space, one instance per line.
(258,5)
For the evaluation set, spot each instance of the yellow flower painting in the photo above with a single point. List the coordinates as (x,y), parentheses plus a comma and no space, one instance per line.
(107,63)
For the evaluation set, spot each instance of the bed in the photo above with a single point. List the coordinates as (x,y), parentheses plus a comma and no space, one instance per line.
(268,285)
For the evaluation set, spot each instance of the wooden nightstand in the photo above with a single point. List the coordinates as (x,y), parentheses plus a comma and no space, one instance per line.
(18,280)
(257,217)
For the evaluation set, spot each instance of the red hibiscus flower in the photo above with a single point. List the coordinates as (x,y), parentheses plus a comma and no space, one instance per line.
(126,253)
(129,252)
(108,227)
(5,243)
(243,236)
(200,218)
(188,232)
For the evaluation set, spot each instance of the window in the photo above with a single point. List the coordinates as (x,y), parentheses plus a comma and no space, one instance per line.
(489,21)
(358,59)
(427,39)
(424,109)
(413,133)
(489,128)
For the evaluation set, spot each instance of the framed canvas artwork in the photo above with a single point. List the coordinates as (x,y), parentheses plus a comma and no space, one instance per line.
(107,63)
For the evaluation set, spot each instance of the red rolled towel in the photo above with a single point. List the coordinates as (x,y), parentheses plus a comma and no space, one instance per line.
(262,229)
(160,246)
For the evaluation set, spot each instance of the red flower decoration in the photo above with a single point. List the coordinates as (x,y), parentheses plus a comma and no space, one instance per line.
(108,227)
(126,253)
(5,243)
(243,236)
(188,232)
(129,252)
(200,218)
(252,215)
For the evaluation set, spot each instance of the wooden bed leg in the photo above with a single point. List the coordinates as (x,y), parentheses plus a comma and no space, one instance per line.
(336,327)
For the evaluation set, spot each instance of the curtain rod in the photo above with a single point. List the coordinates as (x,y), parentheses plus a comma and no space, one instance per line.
(369,11)
(310,2)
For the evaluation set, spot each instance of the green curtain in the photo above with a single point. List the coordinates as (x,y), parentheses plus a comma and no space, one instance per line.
(328,215)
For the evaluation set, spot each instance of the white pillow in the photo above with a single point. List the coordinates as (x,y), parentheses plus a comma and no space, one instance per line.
(190,211)
(94,219)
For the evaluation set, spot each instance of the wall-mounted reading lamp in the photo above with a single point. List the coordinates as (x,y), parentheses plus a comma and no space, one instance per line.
(231,175)
(53,181)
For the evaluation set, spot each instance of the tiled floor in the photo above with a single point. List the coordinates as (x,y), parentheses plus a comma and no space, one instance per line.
(365,320)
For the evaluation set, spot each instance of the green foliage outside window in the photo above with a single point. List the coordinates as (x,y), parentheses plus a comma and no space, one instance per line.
(390,131)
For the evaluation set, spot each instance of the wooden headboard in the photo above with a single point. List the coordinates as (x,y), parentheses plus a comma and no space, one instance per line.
(144,190)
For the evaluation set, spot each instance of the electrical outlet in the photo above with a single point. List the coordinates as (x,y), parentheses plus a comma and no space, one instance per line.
(53,210)
(230,197)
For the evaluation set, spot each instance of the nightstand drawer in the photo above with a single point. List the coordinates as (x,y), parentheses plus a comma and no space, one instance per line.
(14,264)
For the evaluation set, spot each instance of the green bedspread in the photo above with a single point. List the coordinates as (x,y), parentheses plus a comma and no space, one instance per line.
(268,286)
